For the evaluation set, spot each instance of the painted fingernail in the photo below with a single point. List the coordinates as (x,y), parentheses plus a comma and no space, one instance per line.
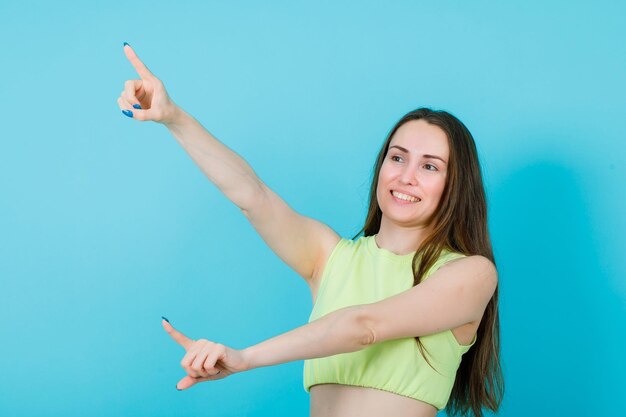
(165,319)
(126,43)
(137,106)
(177,388)
(128,113)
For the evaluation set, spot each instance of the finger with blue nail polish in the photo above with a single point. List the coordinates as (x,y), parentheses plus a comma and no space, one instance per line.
(125,107)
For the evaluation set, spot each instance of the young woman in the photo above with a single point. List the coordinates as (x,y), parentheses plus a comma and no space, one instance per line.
(405,318)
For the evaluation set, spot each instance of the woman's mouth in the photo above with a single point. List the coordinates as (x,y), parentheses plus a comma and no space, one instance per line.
(404,198)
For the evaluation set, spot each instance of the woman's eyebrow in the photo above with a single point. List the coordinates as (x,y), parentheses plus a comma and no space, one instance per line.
(425,155)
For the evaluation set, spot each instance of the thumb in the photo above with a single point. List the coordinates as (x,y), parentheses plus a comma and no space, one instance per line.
(188,382)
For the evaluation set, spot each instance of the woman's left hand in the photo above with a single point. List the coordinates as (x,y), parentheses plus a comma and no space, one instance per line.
(205,360)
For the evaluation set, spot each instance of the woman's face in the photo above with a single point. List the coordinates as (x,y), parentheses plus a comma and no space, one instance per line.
(413,174)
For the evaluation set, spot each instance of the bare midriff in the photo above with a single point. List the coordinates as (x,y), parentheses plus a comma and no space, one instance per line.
(335,400)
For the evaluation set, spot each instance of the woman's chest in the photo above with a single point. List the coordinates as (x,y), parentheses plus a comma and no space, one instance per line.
(359,283)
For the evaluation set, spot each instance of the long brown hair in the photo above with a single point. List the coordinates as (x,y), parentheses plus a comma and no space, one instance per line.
(460,225)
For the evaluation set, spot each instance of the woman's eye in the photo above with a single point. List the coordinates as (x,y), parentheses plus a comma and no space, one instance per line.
(431,165)
(396,158)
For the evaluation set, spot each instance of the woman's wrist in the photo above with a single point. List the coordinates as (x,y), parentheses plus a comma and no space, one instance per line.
(175,118)
(248,359)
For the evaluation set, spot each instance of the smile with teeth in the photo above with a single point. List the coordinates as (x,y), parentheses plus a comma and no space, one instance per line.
(405,197)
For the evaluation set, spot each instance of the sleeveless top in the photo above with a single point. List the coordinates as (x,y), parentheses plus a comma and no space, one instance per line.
(359,272)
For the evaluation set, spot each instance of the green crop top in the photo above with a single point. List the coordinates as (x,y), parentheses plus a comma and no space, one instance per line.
(359,272)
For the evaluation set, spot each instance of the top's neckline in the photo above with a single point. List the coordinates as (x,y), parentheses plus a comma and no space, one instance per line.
(386,253)
(374,249)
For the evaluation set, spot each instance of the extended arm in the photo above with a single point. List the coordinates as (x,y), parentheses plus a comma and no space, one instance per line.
(456,294)
(338,332)
(341,331)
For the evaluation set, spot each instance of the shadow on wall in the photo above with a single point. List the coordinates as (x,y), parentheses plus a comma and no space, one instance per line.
(560,317)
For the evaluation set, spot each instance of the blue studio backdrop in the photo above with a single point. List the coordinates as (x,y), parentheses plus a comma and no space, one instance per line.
(106,224)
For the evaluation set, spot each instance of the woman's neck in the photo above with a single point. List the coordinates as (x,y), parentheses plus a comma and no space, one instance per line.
(400,240)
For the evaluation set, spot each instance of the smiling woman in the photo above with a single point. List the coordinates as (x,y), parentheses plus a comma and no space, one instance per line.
(423,268)
(405,316)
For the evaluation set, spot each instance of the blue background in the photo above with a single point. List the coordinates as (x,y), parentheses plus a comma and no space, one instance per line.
(106,224)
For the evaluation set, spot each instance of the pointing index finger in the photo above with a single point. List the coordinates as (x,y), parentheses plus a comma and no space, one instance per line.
(140,67)
(180,338)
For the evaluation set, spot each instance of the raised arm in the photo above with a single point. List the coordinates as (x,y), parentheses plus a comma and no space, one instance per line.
(303,243)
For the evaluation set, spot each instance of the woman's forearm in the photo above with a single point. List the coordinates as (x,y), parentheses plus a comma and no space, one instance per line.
(338,332)
(222,166)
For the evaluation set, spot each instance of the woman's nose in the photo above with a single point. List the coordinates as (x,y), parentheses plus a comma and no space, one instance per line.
(408,176)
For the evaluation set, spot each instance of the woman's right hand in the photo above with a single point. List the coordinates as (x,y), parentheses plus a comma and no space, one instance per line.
(206,360)
(146,98)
